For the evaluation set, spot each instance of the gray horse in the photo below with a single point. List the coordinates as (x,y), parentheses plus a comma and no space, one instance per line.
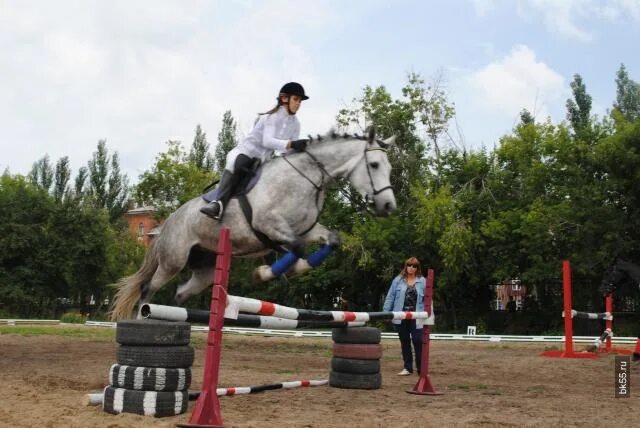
(284,207)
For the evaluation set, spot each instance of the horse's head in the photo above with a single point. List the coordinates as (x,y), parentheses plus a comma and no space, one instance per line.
(371,176)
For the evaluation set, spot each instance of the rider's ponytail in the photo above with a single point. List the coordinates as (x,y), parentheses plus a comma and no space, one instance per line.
(273,110)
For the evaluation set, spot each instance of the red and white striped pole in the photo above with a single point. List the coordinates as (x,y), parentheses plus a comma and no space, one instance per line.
(608,307)
(424,385)
(206,412)
(568,319)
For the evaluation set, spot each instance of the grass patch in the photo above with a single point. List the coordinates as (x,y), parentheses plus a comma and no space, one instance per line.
(56,330)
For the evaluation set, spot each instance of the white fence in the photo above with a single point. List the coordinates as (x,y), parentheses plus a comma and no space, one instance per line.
(434,336)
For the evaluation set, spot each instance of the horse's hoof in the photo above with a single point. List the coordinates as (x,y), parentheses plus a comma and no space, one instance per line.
(180,299)
(262,274)
(301,266)
(334,240)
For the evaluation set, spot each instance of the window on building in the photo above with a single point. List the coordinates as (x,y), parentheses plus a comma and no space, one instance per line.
(515,285)
(518,303)
(141,229)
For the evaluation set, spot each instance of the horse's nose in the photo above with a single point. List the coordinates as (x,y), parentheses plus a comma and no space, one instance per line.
(388,207)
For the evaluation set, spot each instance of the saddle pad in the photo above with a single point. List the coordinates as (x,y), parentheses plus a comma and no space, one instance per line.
(242,189)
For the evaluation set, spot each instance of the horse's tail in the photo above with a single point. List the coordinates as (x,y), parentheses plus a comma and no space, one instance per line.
(130,287)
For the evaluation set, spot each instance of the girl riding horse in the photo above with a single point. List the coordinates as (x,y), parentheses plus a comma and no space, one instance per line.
(276,130)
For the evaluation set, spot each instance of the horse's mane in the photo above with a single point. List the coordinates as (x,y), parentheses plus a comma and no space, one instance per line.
(332,135)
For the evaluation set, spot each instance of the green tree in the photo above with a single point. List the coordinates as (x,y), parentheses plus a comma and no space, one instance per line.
(80,182)
(98,169)
(118,191)
(42,173)
(226,141)
(107,187)
(579,108)
(62,177)
(627,95)
(51,249)
(172,181)
(199,154)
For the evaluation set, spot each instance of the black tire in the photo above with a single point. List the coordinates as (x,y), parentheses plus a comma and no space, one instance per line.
(153,332)
(156,356)
(149,378)
(355,381)
(358,352)
(150,403)
(349,365)
(361,335)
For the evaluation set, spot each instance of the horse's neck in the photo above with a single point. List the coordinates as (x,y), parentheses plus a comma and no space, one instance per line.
(340,157)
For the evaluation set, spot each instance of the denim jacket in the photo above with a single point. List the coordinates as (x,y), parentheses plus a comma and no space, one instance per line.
(395,297)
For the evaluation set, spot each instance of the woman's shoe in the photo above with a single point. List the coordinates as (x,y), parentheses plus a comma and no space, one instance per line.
(404,372)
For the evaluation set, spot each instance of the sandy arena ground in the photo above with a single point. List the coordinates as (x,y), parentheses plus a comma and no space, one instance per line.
(44,379)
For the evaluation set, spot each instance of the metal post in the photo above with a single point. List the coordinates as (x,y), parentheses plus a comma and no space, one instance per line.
(424,385)
(206,412)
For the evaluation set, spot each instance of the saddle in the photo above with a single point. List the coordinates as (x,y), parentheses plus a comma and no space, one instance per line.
(251,177)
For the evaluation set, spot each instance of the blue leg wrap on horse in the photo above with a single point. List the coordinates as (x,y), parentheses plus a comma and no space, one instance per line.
(318,257)
(283,265)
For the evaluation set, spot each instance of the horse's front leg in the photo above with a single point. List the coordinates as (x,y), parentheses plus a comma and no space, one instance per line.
(280,232)
(329,239)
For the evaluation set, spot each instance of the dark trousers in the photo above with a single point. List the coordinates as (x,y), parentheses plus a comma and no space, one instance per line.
(408,333)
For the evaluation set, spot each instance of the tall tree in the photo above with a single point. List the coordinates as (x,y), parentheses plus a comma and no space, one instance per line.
(579,108)
(108,187)
(80,181)
(63,175)
(42,173)
(226,140)
(98,174)
(432,108)
(627,95)
(117,194)
(199,154)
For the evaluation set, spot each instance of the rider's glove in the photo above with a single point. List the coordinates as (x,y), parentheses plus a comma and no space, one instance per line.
(299,145)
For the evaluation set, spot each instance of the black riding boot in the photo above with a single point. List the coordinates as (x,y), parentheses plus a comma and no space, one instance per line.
(228,182)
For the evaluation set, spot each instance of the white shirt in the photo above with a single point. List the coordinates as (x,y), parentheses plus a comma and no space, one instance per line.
(271,133)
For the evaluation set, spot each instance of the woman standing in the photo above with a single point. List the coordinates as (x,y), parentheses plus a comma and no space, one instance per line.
(406,293)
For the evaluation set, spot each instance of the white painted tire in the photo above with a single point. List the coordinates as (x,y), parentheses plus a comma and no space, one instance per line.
(148,403)
(149,378)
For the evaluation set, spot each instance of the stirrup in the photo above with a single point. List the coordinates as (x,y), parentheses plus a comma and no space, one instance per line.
(208,210)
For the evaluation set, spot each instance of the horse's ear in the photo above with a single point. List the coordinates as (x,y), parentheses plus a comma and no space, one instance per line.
(371,134)
(390,141)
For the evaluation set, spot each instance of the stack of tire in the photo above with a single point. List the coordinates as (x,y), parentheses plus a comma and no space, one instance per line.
(153,372)
(356,358)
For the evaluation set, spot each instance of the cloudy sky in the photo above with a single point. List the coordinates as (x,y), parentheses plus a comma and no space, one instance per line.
(138,73)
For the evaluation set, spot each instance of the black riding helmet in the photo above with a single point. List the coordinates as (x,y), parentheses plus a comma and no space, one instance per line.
(294,88)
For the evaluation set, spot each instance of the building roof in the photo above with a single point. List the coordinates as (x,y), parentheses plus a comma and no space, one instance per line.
(141,210)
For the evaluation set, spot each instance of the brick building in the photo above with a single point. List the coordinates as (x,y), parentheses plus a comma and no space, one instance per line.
(506,290)
(142,223)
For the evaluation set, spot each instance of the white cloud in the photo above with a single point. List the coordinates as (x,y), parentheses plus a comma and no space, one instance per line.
(483,7)
(140,73)
(573,19)
(560,16)
(629,8)
(517,81)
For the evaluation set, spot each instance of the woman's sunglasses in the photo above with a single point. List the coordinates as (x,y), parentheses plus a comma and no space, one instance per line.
(412,265)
